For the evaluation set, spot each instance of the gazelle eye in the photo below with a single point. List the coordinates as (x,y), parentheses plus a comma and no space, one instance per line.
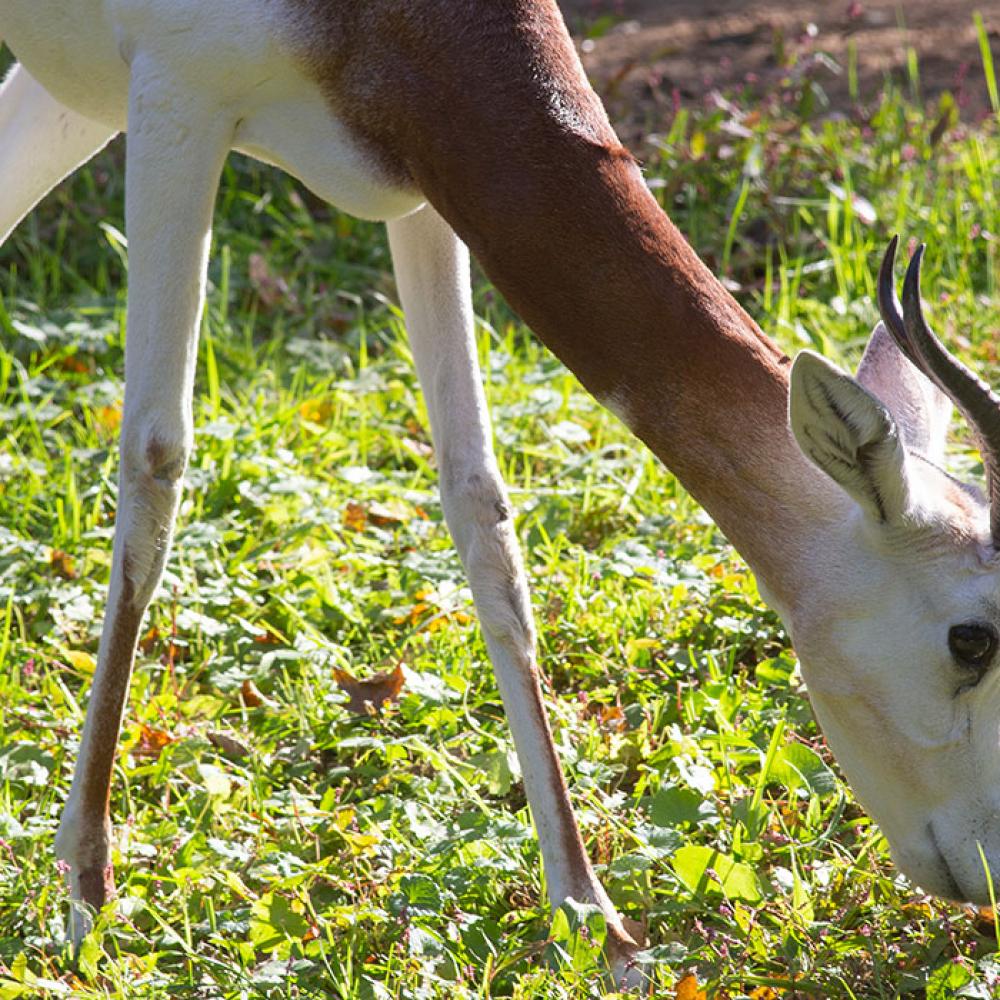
(973,645)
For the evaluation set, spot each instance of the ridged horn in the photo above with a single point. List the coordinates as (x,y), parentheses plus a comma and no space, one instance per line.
(976,401)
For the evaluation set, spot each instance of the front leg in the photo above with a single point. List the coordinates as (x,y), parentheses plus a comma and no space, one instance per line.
(432,272)
(177,142)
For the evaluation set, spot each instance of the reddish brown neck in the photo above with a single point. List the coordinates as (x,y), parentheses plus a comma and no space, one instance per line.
(485,108)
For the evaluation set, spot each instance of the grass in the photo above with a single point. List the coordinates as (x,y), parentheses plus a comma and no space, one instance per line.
(281,846)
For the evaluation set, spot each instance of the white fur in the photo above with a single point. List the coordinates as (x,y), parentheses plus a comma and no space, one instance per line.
(851,436)
(922,751)
(921,411)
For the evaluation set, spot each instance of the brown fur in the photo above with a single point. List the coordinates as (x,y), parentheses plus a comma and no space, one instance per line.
(97,885)
(108,698)
(485,107)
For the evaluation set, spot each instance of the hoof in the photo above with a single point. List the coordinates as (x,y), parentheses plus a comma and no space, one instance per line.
(629,973)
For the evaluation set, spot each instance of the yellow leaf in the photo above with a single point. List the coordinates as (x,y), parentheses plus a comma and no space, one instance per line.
(688,989)
(81,661)
(316,411)
(360,842)
(343,819)
(698,144)
(766,993)
(236,884)
(109,418)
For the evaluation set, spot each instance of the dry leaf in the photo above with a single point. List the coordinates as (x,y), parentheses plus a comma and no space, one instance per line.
(370,694)
(228,745)
(73,363)
(267,638)
(355,517)
(62,564)
(147,643)
(984,920)
(384,514)
(688,988)
(612,717)
(251,695)
(151,742)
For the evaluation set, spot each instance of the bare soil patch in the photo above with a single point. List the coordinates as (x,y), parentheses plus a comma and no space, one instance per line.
(654,54)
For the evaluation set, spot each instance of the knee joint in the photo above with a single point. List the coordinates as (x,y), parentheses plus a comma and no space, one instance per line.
(478,496)
(156,458)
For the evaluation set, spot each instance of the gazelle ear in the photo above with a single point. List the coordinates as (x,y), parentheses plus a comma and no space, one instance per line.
(850,435)
(921,411)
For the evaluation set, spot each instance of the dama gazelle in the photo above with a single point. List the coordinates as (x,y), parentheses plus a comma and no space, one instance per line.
(466,124)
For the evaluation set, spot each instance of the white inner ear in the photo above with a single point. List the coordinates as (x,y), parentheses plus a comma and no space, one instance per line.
(850,435)
(920,410)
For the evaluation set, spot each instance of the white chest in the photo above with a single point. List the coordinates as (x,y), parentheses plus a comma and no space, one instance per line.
(239,52)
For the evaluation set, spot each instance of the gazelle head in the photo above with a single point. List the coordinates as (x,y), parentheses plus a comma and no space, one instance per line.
(900,642)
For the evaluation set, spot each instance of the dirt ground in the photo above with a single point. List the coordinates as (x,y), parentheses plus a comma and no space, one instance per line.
(653,54)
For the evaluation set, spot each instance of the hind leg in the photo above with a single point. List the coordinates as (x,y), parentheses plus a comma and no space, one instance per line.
(41,142)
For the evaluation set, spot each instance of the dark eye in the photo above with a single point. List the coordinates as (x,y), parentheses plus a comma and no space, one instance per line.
(973,645)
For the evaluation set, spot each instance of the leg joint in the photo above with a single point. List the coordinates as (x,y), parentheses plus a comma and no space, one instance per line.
(479,495)
(155,457)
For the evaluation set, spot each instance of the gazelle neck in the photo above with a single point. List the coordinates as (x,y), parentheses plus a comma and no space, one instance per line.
(496,124)
(606,281)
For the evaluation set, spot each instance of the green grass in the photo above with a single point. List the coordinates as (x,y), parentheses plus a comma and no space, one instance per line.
(392,856)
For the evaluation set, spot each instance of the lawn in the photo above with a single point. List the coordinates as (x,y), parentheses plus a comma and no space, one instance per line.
(273,843)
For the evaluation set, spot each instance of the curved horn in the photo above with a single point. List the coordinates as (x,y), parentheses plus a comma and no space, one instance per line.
(888,306)
(973,397)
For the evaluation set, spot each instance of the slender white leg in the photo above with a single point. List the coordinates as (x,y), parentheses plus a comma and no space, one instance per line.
(432,273)
(41,142)
(177,143)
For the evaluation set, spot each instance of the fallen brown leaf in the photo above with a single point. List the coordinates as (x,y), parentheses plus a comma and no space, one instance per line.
(612,717)
(62,564)
(228,745)
(147,643)
(355,517)
(151,742)
(384,514)
(367,696)
(251,695)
